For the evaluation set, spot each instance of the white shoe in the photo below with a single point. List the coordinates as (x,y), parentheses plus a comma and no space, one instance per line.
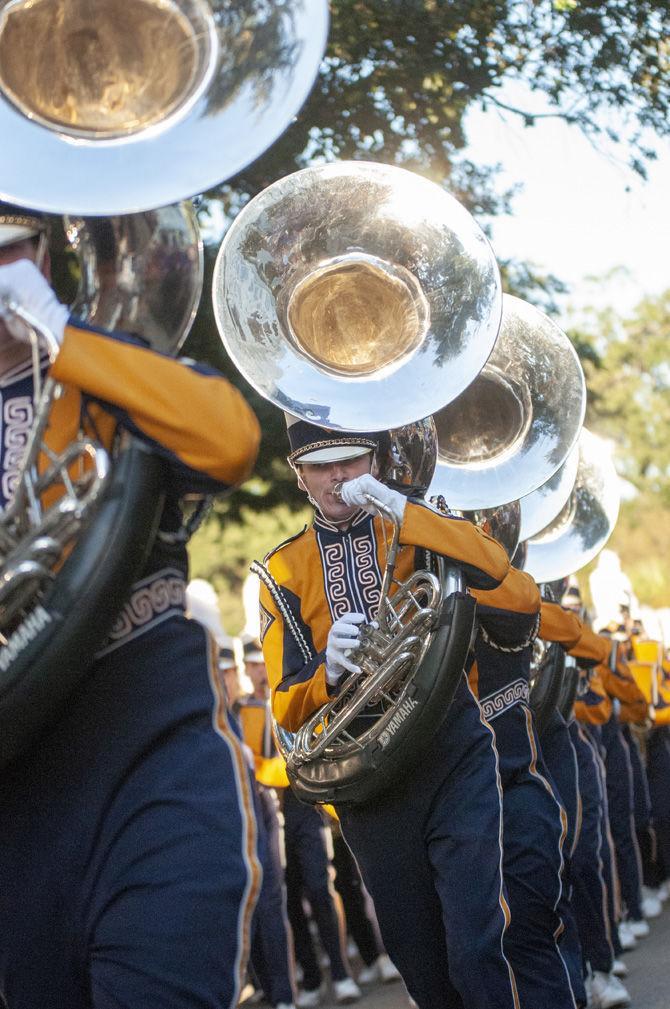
(651,907)
(619,969)
(369,974)
(346,991)
(387,969)
(626,937)
(607,991)
(256,997)
(382,969)
(308,999)
(640,929)
(663,892)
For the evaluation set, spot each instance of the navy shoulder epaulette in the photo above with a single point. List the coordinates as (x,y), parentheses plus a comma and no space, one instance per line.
(284,543)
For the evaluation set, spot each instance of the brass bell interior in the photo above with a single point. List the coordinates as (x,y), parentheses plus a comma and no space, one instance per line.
(357,315)
(106,68)
(485,423)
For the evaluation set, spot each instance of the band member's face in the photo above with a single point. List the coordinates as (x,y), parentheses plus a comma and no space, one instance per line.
(320,480)
(257,673)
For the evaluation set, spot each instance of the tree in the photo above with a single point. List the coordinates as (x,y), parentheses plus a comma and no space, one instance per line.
(395,85)
(628,377)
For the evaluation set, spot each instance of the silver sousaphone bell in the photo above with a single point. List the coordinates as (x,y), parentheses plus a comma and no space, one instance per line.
(357,296)
(513,427)
(574,533)
(582,527)
(109,107)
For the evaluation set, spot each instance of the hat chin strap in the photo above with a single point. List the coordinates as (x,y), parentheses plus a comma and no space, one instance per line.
(42,246)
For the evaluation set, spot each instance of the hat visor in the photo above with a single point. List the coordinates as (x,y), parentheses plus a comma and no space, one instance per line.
(254,657)
(11,233)
(333,453)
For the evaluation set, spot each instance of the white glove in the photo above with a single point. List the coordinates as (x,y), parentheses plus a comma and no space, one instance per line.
(342,637)
(354,492)
(249,756)
(23,283)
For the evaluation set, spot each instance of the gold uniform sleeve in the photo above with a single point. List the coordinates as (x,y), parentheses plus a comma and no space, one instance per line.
(559,625)
(199,417)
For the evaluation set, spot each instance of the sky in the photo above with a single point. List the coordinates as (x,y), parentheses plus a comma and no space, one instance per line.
(582,212)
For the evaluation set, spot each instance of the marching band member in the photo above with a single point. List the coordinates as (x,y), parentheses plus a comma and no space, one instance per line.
(128,870)
(562,627)
(534,821)
(644,827)
(658,763)
(305,849)
(621,687)
(436,834)
(593,871)
(270,957)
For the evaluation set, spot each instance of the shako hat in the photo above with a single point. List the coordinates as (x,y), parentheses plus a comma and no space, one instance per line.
(17,224)
(311,443)
(226,654)
(252,650)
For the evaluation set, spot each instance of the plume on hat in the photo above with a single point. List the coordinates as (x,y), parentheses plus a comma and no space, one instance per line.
(202,604)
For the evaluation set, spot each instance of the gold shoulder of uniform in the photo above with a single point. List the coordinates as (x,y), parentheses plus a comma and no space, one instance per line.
(284,543)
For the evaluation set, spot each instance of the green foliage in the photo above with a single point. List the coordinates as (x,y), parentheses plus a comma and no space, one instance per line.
(399,76)
(223,548)
(396,83)
(627,368)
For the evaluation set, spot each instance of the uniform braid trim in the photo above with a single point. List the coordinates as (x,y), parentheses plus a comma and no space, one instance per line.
(512,649)
(277,595)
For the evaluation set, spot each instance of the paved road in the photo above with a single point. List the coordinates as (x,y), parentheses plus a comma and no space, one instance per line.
(648,981)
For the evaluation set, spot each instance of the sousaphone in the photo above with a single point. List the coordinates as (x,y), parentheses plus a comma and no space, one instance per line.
(513,426)
(582,527)
(362,297)
(76,533)
(572,538)
(508,437)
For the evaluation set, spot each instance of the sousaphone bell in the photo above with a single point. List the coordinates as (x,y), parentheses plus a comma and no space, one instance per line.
(108,107)
(513,426)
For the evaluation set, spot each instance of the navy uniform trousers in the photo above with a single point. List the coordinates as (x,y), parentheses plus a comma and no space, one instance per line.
(534,830)
(308,875)
(128,869)
(429,851)
(561,760)
(658,775)
(644,828)
(590,897)
(619,777)
(270,959)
